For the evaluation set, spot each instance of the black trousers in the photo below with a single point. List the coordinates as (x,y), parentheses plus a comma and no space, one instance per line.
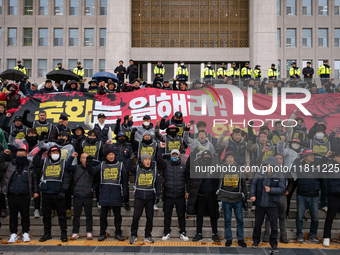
(19,203)
(333,208)
(260,213)
(2,201)
(37,202)
(118,219)
(203,203)
(49,203)
(168,205)
(289,197)
(68,200)
(78,204)
(139,205)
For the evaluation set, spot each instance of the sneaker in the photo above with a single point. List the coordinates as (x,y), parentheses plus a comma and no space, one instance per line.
(253,208)
(215,238)
(13,238)
(98,206)
(3,213)
(155,207)
(275,249)
(228,243)
(184,237)
(324,208)
(26,237)
(198,237)
(45,237)
(314,240)
(127,206)
(242,243)
(53,214)
(326,242)
(101,238)
(166,237)
(300,239)
(89,236)
(284,240)
(74,236)
(19,215)
(133,239)
(63,237)
(36,213)
(149,239)
(245,209)
(255,244)
(68,214)
(119,237)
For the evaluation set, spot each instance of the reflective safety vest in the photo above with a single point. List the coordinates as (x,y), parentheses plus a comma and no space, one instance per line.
(182,71)
(234,72)
(92,149)
(145,180)
(320,148)
(22,69)
(222,71)
(149,149)
(22,132)
(53,172)
(246,72)
(111,174)
(79,72)
(175,143)
(272,73)
(159,70)
(271,151)
(294,71)
(208,73)
(47,127)
(59,68)
(257,73)
(324,71)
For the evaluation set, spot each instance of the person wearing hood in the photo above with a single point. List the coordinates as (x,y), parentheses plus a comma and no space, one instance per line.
(41,125)
(176,190)
(334,138)
(138,131)
(78,135)
(125,126)
(13,98)
(93,87)
(208,72)
(159,71)
(146,145)
(265,190)
(316,126)
(92,146)
(71,86)
(82,187)
(246,71)
(307,195)
(176,120)
(20,185)
(110,87)
(182,73)
(48,88)
(54,182)
(104,130)
(318,144)
(78,70)
(202,197)
(324,72)
(57,129)
(313,89)
(120,71)
(172,140)
(147,192)
(232,191)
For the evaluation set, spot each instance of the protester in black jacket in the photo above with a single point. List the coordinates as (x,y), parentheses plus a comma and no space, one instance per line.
(132,72)
(48,88)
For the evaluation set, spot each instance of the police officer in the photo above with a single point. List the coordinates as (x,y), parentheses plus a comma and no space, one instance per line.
(324,72)
(41,125)
(54,183)
(257,73)
(20,67)
(234,71)
(104,130)
(159,71)
(246,71)
(182,73)
(272,72)
(294,72)
(113,186)
(79,70)
(222,72)
(208,72)
(59,66)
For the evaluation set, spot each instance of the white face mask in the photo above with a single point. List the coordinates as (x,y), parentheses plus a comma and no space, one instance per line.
(182,64)
(146,123)
(319,136)
(55,157)
(295,146)
(209,65)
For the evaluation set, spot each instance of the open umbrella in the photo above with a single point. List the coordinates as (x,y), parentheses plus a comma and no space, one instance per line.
(62,75)
(13,75)
(105,76)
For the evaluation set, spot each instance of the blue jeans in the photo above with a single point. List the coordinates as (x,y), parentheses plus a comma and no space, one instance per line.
(304,203)
(227,213)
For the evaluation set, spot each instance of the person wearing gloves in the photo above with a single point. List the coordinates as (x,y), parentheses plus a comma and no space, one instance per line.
(20,185)
(13,98)
(147,191)
(104,130)
(92,146)
(265,190)
(19,128)
(176,120)
(172,140)
(41,125)
(232,190)
(62,126)
(146,126)
(54,182)
(113,187)
(125,126)
(176,186)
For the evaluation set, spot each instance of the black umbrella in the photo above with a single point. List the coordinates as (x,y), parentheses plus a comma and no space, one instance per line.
(13,75)
(62,75)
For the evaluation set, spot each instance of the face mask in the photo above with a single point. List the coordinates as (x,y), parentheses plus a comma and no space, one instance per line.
(55,157)
(172,133)
(21,160)
(60,141)
(295,146)
(178,121)
(121,140)
(298,126)
(319,136)
(146,123)
(174,158)
(92,140)
(209,65)
(182,64)
(32,140)
(12,92)
(130,123)
(147,142)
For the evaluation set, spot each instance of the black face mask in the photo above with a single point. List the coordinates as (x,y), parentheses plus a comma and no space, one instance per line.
(92,140)
(60,141)
(22,161)
(12,92)
(32,140)
(130,123)
(178,121)
(207,161)
(172,133)
(147,142)
(121,140)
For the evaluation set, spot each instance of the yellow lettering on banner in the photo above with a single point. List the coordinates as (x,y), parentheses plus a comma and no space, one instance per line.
(320,149)
(64,153)
(20,135)
(148,150)
(54,111)
(180,131)
(231,180)
(75,108)
(41,129)
(145,179)
(266,155)
(110,173)
(90,150)
(176,145)
(53,170)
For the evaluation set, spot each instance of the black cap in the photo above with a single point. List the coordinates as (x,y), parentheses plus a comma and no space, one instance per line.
(247,63)
(206,152)
(166,81)
(78,63)
(93,81)
(223,64)
(59,63)
(273,64)
(63,117)
(178,114)
(17,118)
(147,117)
(19,61)
(63,133)
(72,82)
(101,115)
(294,63)
(325,61)
(234,63)
(76,127)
